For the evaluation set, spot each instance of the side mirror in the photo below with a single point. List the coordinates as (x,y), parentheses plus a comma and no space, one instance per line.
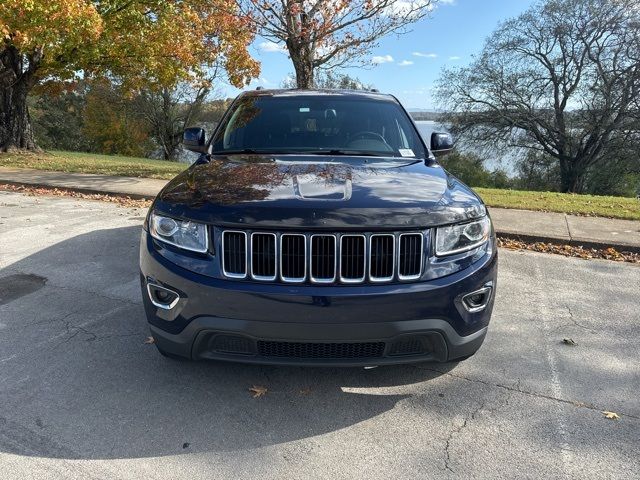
(194,139)
(441,144)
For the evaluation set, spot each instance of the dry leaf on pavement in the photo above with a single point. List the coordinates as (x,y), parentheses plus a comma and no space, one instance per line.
(569,341)
(305,391)
(611,415)
(258,391)
(149,341)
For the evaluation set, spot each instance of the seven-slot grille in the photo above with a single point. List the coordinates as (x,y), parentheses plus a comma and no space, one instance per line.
(322,258)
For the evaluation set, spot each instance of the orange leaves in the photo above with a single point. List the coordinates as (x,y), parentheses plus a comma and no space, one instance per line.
(143,43)
(570,250)
(55,26)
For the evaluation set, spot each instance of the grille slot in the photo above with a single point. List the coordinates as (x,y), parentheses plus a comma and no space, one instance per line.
(382,257)
(323,258)
(352,258)
(263,256)
(234,254)
(320,350)
(293,257)
(410,256)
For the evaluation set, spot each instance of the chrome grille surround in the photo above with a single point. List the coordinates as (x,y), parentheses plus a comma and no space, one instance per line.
(349,256)
(226,247)
(417,275)
(359,278)
(380,258)
(323,279)
(287,278)
(265,278)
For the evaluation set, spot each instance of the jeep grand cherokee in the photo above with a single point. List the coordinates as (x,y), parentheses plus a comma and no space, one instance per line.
(317,228)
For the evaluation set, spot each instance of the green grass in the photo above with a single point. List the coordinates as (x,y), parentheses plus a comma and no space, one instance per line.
(93,163)
(592,205)
(614,207)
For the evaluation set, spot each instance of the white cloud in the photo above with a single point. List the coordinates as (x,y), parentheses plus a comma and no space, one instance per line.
(404,7)
(454,58)
(378,59)
(425,55)
(272,47)
(405,63)
(447,2)
(263,81)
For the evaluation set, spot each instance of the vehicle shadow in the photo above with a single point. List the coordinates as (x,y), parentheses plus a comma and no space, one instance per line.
(79,381)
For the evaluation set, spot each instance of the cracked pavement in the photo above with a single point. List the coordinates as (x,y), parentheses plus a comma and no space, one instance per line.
(82,395)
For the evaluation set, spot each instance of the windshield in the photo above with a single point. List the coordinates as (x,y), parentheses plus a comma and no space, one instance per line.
(321,124)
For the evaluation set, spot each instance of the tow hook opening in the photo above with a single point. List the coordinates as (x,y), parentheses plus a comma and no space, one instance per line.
(477,301)
(162,297)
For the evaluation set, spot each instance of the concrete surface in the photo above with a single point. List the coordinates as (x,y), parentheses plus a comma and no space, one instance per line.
(82,396)
(84,182)
(523,224)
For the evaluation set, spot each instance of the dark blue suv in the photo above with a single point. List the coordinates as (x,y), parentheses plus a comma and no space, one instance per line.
(317,228)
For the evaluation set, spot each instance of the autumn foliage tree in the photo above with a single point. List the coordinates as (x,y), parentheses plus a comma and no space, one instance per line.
(151,43)
(331,33)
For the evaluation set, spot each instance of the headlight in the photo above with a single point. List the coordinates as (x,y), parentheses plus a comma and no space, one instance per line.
(460,238)
(180,233)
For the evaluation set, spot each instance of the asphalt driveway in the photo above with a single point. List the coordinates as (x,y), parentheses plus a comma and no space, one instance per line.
(82,395)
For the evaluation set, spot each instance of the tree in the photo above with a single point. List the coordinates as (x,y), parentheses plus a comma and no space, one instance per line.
(58,119)
(562,79)
(470,169)
(167,112)
(329,80)
(331,33)
(154,43)
(111,122)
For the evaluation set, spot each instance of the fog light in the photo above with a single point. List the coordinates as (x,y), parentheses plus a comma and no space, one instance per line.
(162,297)
(477,301)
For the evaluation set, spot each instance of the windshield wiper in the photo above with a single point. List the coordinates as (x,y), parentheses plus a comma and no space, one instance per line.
(347,153)
(246,151)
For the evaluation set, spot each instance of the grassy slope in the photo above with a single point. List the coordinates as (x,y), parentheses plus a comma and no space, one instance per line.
(615,207)
(600,206)
(93,163)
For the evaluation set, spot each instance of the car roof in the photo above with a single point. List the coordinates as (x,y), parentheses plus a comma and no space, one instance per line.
(299,92)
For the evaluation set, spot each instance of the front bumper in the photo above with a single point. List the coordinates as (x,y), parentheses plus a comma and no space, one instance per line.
(316,325)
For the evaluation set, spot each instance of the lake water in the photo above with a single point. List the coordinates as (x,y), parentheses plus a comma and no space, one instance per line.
(427,127)
(503,161)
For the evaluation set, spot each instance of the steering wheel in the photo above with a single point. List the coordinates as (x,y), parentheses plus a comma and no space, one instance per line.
(370,135)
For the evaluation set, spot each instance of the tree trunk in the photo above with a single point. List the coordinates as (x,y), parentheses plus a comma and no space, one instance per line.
(571,176)
(302,58)
(304,75)
(16,131)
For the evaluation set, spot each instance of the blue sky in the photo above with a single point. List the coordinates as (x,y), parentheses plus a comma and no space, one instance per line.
(407,66)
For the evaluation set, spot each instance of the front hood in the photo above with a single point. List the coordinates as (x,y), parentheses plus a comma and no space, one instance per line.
(314,192)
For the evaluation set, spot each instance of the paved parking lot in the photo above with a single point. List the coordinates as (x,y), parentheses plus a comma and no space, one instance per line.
(82,395)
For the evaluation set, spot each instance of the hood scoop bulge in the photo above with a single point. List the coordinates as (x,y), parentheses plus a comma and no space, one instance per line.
(314,187)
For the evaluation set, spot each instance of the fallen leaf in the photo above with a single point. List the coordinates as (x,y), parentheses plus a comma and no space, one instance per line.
(258,391)
(570,251)
(611,415)
(569,341)
(150,340)
(305,391)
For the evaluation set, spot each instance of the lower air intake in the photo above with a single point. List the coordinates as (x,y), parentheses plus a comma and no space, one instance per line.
(320,350)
